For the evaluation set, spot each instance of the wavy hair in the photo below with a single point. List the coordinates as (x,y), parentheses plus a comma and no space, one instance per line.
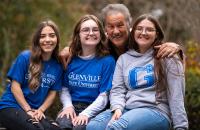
(35,66)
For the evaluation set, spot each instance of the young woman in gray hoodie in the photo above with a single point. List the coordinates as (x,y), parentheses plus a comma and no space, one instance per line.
(147,92)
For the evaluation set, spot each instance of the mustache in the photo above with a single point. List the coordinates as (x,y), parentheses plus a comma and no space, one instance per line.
(116,36)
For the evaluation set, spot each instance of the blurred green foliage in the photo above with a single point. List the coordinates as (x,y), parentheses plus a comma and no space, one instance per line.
(192,99)
(19,18)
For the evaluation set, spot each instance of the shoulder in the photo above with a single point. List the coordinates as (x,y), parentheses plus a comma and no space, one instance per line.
(23,57)
(123,57)
(107,59)
(172,60)
(25,54)
(174,64)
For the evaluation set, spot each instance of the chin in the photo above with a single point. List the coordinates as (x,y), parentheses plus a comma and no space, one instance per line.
(47,50)
(91,43)
(118,43)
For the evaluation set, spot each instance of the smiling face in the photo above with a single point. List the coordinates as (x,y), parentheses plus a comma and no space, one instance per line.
(48,41)
(116,28)
(145,35)
(89,34)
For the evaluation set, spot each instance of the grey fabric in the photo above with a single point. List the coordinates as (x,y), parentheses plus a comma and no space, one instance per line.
(170,102)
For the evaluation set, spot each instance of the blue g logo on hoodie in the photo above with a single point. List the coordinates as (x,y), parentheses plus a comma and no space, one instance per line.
(141,77)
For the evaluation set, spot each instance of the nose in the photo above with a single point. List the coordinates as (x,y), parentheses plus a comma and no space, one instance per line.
(143,31)
(116,30)
(91,32)
(47,38)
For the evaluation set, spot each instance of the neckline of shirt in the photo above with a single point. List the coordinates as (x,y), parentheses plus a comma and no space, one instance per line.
(89,57)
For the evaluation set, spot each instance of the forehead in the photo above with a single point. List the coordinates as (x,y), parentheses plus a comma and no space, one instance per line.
(89,23)
(146,23)
(47,29)
(114,18)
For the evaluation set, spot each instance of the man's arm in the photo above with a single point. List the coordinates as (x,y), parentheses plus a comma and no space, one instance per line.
(65,57)
(169,49)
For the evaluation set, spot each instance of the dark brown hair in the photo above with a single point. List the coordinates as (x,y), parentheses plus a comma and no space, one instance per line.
(75,45)
(158,69)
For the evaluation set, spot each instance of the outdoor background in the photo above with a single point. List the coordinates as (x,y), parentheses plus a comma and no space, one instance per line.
(179,18)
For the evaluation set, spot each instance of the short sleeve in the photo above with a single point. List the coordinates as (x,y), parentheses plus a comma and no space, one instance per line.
(19,68)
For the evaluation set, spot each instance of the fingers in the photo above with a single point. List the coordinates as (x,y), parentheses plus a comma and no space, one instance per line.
(72,115)
(116,115)
(166,52)
(38,115)
(171,54)
(80,120)
(157,47)
(60,115)
(163,54)
(167,49)
(68,112)
(161,51)
(31,114)
(86,121)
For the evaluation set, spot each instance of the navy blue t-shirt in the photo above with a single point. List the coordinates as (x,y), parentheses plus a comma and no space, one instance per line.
(51,79)
(86,79)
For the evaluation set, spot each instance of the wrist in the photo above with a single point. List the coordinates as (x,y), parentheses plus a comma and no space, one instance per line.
(84,114)
(29,110)
(181,128)
(42,110)
(67,107)
(117,109)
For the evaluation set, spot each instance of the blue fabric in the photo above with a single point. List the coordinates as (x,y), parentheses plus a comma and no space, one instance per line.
(51,79)
(135,119)
(86,79)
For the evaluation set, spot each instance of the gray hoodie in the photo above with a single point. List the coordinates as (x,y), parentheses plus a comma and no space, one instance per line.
(134,86)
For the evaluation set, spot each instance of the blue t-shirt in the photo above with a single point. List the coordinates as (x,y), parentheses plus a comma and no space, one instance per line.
(51,79)
(86,79)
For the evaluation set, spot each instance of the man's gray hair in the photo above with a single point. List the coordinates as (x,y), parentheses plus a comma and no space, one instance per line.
(121,8)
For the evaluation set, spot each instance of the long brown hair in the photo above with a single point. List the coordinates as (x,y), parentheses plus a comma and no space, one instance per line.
(75,45)
(158,69)
(35,67)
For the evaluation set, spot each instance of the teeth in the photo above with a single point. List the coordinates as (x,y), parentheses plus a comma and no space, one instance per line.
(116,37)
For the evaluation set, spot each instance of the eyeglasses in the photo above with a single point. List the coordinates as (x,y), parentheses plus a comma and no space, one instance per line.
(147,30)
(86,31)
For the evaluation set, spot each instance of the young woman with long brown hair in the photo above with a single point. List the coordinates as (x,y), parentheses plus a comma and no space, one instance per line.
(88,77)
(35,76)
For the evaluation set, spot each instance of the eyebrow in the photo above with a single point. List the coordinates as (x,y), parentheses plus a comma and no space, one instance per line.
(46,33)
(145,26)
(91,27)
